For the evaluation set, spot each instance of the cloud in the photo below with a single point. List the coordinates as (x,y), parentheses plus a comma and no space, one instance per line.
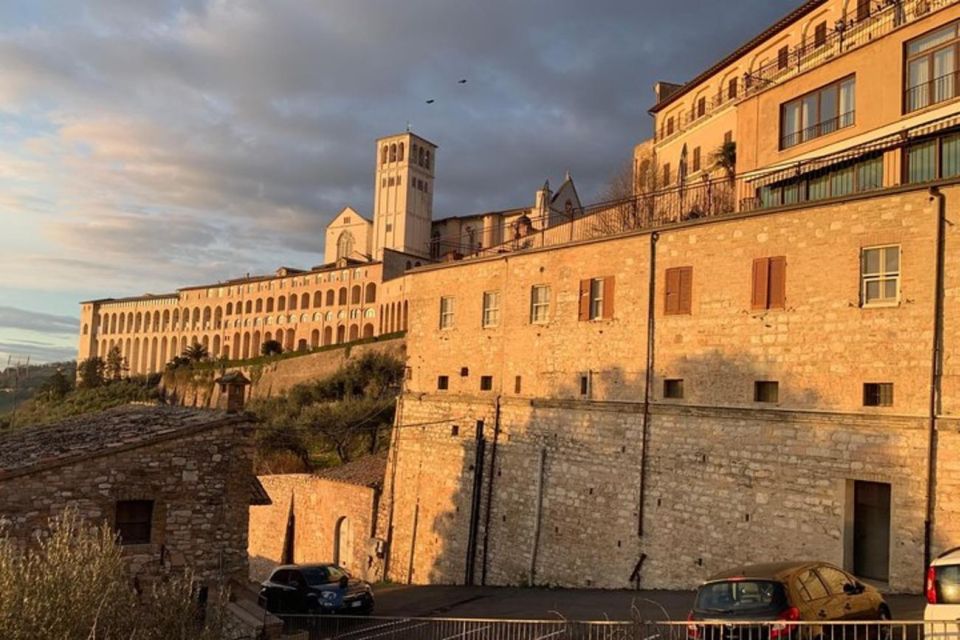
(13,318)
(19,351)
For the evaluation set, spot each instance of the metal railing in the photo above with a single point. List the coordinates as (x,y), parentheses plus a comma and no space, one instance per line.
(841,37)
(931,93)
(383,628)
(822,128)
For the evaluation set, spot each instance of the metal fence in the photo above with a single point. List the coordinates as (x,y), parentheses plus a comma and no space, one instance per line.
(378,628)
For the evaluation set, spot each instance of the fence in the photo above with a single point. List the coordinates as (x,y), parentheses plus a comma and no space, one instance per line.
(356,628)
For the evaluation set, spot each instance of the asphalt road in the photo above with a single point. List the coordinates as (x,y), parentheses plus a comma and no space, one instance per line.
(572,604)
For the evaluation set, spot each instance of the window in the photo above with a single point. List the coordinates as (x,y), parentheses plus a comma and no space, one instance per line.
(446,313)
(670,126)
(880,275)
(133,521)
(517,385)
(728,137)
(933,159)
(834,579)
(701,106)
(540,304)
(863,9)
(769,283)
(732,88)
(766,391)
(818,113)
(696,158)
(878,394)
(783,58)
(585,380)
(810,586)
(491,309)
(443,383)
(820,35)
(596,299)
(931,68)
(486,383)
(673,389)
(678,291)
(858,176)
(666,173)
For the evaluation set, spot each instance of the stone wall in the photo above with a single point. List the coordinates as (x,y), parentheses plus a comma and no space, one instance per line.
(196,388)
(320,508)
(200,485)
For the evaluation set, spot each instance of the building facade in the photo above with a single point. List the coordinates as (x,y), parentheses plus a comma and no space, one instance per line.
(748,361)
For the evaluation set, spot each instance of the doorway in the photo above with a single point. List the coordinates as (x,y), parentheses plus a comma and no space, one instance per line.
(343,543)
(871,530)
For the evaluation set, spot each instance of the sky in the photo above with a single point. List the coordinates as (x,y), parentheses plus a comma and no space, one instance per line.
(147,145)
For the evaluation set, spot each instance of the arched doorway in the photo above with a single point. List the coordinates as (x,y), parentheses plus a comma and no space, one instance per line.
(343,544)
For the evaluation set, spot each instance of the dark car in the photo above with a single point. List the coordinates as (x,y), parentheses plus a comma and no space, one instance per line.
(783,593)
(315,589)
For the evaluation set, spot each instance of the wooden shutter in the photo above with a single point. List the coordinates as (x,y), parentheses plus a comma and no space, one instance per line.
(671,304)
(608,289)
(686,289)
(761,283)
(863,9)
(584,300)
(778,283)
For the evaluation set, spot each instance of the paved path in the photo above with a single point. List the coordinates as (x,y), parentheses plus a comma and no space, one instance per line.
(573,604)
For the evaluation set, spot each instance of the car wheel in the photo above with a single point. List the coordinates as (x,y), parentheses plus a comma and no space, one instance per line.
(883,626)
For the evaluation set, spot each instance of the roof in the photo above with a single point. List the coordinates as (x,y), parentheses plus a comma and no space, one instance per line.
(233,377)
(145,296)
(951,556)
(782,23)
(367,471)
(33,449)
(258,494)
(768,571)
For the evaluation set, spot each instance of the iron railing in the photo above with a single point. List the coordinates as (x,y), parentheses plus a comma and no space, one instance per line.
(383,628)
(930,93)
(841,37)
(819,129)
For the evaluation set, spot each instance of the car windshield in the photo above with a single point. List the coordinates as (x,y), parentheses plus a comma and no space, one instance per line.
(316,575)
(948,584)
(740,595)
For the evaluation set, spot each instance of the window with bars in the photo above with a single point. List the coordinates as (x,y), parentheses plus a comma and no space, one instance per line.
(491,309)
(446,312)
(880,275)
(134,520)
(540,304)
(931,68)
(818,113)
(878,394)
(933,159)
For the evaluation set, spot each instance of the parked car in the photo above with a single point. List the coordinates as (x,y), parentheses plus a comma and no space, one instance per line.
(783,593)
(942,614)
(315,589)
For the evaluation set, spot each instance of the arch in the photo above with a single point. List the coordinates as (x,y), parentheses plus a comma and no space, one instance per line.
(330,297)
(205,342)
(315,338)
(258,308)
(417,263)
(391,327)
(147,321)
(218,318)
(354,332)
(302,344)
(196,318)
(355,294)
(248,307)
(216,346)
(400,152)
(393,152)
(341,333)
(86,328)
(135,356)
(281,303)
(317,299)
(229,308)
(305,301)
(138,322)
(288,341)
(404,318)
(343,544)
(207,318)
(292,303)
(327,335)
(255,345)
(183,344)
(267,337)
(381,318)
(342,296)
(345,243)
(383,155)
(420,154)
(246,345)
(368,330)
(176,318)
(236,345)
(163,351)
(426,163)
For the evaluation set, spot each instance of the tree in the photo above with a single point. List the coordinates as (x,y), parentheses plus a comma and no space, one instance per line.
(91,372)
(196,352)
(116,364)
(725,157)
(56,387)
(271,348)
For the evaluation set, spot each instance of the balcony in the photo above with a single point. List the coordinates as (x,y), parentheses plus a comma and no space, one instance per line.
(843,37)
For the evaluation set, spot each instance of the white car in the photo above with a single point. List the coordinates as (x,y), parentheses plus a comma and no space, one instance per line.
(942,615)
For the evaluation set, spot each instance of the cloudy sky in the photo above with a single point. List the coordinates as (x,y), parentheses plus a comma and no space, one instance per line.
(151,144)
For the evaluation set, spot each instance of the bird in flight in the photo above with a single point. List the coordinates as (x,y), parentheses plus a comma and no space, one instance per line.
(431,101)
(460,81)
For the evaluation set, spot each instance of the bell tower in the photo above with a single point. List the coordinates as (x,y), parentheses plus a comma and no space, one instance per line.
(403,195)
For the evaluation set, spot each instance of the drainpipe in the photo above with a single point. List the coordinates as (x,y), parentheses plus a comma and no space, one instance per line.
(476,499)
(493,473)
(936,375)
(648,383)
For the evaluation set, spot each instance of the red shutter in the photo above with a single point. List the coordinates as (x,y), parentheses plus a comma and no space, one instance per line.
(686,290)
(778,283)
(761,270)
(608,289)
(584,300)
(671,305)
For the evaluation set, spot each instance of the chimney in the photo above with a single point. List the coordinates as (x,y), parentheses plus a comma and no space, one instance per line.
(234,386)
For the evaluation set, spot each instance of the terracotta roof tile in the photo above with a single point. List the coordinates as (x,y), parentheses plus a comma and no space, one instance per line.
(367,471)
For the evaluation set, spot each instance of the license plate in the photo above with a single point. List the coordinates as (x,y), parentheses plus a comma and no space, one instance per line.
(356,604)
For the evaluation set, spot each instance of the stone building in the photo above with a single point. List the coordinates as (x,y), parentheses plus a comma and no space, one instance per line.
(176,484)
(744,363)
(330,516)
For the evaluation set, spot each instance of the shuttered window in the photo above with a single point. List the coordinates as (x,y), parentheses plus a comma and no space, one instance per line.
(863,9)
(596,298)
(133,521)
(678,291)
(769,283)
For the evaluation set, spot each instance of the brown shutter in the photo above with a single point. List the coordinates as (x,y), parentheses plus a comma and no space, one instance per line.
(761,269)
(778,283)
(584,300)
(671,304)
(608,289)
(686,290)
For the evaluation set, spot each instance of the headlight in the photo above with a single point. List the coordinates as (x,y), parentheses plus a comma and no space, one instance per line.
(329,596)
